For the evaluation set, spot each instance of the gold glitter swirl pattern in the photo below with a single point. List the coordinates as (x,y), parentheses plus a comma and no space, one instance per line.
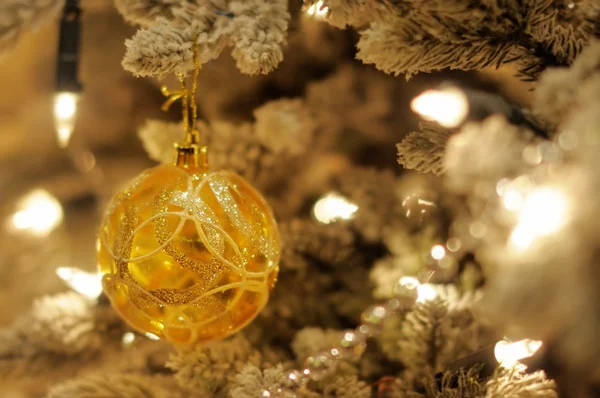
(189,255)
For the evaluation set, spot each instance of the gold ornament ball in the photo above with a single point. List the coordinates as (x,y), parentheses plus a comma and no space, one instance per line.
(187,253)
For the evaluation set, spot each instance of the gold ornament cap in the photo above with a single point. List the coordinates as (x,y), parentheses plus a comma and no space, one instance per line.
(190,156)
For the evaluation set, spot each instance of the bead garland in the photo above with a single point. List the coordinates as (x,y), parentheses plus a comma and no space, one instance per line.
(353,344)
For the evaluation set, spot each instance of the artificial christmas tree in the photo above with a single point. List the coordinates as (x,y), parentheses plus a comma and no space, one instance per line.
(472,276)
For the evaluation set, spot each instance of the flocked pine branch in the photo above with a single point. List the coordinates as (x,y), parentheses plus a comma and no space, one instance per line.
(466,383)
(571,98)
(256,29)
(59,332)
(448,384)
(259,30)
(62,324)
(113,386)
(432,336)
(423,150)
(167,46)
(374,192)
(514,383)
(144,12)
(561,91)
(211,368)
(251,382)
(285,125)
(417,36)
(354,99)
(20,16)
(337,269)
(344,387)
(310,340)
(343,13)
(485,151)
(158,136)
(307,241)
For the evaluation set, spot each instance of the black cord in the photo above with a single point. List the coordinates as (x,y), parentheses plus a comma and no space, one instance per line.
(483,104)
(67,63)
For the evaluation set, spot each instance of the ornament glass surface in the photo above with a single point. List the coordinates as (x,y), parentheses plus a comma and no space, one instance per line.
(188,253)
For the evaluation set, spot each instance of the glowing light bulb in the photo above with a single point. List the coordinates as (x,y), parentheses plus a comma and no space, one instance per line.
(438,252)
(407,285)
(448,107)
(512,199)
(86,283)
(508,354)
(127,339)
(410,282)
(317,9)
(543,212)
(513,191)
(151,336)
(38,213)
(65,110)
(333,207)
(426,292)
(453,244)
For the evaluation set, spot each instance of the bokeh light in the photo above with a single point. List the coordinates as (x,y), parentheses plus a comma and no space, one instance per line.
(317,10)
(543,212)
(86,283)
(38,213)
(508,354)
(449,106)
(438,252)
(333,207)
(65,111)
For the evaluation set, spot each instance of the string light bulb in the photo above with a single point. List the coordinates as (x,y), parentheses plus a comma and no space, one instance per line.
(127,339)
(427,292)
(88,284)
(65,111)
(317,10)
(509,353)
(67,83)
(448,106)
(438,252)
(39,213)
(151,336)
(542,213)
(333,207)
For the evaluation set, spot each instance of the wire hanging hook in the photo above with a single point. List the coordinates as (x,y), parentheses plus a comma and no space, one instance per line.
(188,98)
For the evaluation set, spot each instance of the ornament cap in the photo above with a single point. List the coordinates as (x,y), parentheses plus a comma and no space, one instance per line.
(191,155)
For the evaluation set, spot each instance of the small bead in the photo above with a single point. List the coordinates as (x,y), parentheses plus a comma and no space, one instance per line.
(372,319)
(127,339)
(273,392)
(352,345)
(393,305)
(351,338)
(320,365)
(307,375)
(407,291)
(335,353)
(369,330)
(296,377)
